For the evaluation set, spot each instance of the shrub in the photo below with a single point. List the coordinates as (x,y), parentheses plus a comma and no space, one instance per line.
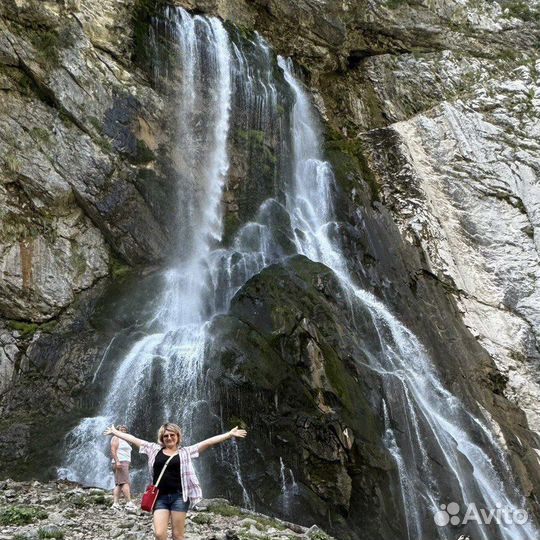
(51,532)
(202,519)
(18,515)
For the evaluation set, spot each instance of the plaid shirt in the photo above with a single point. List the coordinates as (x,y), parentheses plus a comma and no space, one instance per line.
(191,488)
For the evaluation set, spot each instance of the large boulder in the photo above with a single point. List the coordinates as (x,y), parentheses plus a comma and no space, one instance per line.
(288,361)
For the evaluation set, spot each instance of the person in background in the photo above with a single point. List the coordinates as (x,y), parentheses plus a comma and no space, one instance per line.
(179,487)
(121,456)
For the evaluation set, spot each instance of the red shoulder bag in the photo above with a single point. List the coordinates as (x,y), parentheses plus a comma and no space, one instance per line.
(150,496)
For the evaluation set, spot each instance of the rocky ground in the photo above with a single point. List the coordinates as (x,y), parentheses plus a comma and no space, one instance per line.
(64,510)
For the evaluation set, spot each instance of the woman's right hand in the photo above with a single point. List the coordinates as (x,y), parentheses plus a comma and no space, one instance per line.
(111,430)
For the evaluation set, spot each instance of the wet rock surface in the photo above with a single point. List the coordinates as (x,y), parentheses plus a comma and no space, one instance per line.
(30,510)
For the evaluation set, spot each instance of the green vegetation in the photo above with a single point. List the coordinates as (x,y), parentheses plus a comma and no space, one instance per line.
(41,134)
(13,163)
(261,153)
(25,226)
(251,136)
(144,154)
(20,515)
(226,510)
(83,501)
(95,122)
(119,268)
(266,523)
(30,328)
(98,499)
(319,535)
(520,9)
(348,159)
(46,533)
(394,4)
(202,519)
(49,41)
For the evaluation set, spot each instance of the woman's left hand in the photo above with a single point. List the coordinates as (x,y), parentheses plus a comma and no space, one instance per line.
(237,432)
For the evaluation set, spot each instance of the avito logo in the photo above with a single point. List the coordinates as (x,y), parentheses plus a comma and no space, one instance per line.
(450,514)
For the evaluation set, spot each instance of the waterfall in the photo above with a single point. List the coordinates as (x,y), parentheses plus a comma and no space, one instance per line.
(226,81)
(416,400)
(216,75)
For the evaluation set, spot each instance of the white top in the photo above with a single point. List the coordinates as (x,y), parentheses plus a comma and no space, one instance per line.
(124,451)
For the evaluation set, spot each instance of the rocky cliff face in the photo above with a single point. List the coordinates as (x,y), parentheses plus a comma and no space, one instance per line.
(432,116)
(78,132)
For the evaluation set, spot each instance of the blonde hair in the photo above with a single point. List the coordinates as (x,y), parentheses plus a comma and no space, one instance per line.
(169,427)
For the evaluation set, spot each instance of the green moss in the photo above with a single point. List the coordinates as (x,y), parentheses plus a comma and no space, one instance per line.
(118,268)
(41,134)
(21,515)
(29,329)
(18,227)
(98,499)
(49,41)
(266,523)
(508,55)
(347,157)
(251,136)
(12,163)
(77,259)
(96,123)
(226,510)
(395,4)
(144,154)
(79,501)
(520,9)
(202,519)
(231,223)
(242,32)
(319,535)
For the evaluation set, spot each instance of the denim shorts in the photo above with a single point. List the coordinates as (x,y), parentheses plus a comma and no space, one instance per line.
(172,502)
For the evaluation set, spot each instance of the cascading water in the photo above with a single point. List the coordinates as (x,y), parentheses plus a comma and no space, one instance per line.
(204,277)
(224,80)
(416,400)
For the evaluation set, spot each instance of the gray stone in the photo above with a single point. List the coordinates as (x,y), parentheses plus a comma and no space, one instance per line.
(465,189)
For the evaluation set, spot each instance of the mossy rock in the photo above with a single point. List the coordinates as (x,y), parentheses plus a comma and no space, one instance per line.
(350,165)
(286,360)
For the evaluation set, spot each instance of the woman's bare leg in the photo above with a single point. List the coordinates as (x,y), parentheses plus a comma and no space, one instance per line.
(126,491)
(178,525)
(161,522)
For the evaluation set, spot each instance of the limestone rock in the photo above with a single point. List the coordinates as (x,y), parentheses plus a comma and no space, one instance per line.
(9,355)
(462,182)
(78,110)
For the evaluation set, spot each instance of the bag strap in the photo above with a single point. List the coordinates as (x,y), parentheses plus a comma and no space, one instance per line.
(163,470)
